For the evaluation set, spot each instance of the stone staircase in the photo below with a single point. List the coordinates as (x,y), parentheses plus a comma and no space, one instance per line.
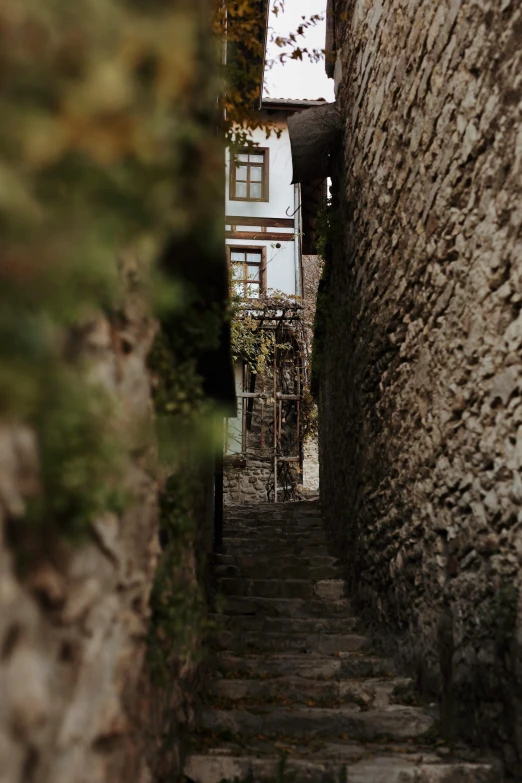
(298,693)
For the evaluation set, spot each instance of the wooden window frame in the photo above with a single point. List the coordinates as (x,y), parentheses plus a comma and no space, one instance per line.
(262,266)
(265,177)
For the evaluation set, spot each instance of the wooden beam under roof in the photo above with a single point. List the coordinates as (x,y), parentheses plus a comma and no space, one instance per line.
(236,220)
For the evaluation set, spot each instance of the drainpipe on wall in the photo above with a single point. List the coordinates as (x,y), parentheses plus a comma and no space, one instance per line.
(297,239)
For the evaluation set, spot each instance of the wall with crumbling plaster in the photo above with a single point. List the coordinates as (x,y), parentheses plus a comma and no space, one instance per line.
(421,378)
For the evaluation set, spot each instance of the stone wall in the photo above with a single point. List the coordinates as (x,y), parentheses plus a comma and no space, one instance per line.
(312,270)
(247,479)
(102,448)
(421,371)
(73,617)
(80,697)
(310,479)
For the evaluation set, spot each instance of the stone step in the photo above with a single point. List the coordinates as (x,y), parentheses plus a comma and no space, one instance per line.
(296,521)
(407,768)
(317,667)
(278,554)
(287,508)
(265,533)
(265,520)
(372,692)
(295,675)
(267,588)
(328,590)
(252,546)
(287,607)
(249,561)
(393,722)
(273,519)
(318,643)
(360,665)
(275,548)
(281,542)
(302,625)
(248,535)
(273,569)
(275,531)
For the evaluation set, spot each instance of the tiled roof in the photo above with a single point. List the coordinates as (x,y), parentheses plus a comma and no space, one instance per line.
(268,102)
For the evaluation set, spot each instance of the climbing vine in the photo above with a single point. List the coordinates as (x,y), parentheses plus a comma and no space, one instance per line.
(238,25)
(253,332)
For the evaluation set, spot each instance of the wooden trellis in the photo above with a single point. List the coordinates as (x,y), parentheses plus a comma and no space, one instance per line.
(277,419)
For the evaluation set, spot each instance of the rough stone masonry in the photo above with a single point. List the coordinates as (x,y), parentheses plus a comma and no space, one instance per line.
(421,373)
(72,630)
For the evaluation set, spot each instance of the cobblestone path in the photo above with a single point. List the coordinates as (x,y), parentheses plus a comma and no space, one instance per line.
(299,693)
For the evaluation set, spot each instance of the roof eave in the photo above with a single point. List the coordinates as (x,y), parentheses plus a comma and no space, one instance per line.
(283,104)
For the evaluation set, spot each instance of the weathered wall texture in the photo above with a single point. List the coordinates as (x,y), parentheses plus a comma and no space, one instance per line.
(100,632)
(312,270)
(247,480)
(91,689)
(420,401)
(72,628)
(310,480)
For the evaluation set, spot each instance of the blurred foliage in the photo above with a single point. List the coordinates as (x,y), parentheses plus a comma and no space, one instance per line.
(178,601)
(111,202)
(102,105)
(185,424)
(111,147)
(81,455)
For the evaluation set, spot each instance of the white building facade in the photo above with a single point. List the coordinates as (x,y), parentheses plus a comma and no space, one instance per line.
(264,239)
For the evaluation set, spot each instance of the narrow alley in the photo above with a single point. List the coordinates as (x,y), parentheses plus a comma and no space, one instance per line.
(300,692)
(261,391)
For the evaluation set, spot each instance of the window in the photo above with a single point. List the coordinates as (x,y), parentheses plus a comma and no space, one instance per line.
(249,175)
(248,271)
